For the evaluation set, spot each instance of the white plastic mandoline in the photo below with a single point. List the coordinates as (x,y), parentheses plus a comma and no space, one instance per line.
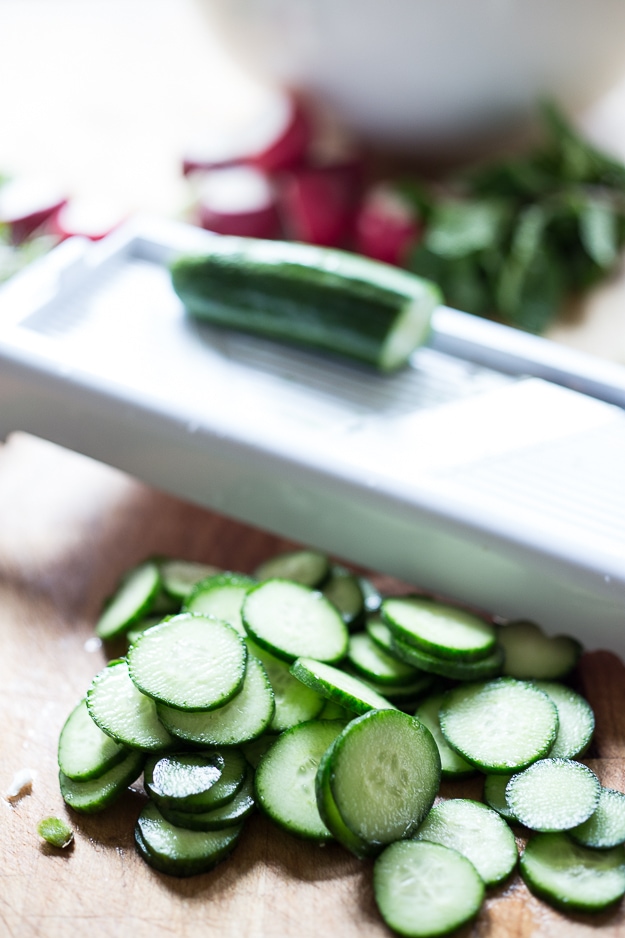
(491,471)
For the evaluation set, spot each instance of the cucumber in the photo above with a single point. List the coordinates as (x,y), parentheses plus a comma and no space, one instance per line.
(345,590)
(452,764)
(553,795)
(55,832)
(383,771)
(344,689)
(189,662)
(308,295)
(123,712)
(438,629)
(180,576)
(242,718)
(475,831)
(96,794)
(571,877)
(133,598)
(221,596)
(424,889)
(178,851)
(531,654)
(294,701)
(499,726)
(495,796)
(456,669)
(576,721)
(183,778)
(375,664)
(285,778)
(290,620)
(219,793)
(85,751)
(606,827)
(308,567)
(229,814)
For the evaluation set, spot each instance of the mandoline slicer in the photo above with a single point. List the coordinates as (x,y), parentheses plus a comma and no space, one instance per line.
(491,471)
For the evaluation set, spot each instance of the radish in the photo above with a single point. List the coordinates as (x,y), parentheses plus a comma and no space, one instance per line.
(387,226)
(318,203)
(87,218)
(25,204)
(276,138)
(238,201)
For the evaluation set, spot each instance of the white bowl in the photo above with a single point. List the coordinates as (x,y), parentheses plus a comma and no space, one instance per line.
(429,74)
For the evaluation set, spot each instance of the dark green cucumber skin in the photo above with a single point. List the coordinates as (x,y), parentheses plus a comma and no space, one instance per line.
(295,302)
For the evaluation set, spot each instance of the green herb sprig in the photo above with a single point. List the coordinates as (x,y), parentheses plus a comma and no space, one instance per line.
(513,239)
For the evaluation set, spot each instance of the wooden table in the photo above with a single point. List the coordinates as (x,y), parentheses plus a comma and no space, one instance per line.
(68,528)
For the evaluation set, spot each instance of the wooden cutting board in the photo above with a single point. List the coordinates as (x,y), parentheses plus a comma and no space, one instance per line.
(69,528)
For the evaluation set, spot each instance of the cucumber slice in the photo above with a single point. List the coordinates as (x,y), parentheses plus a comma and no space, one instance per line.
(576,721)
(571,877)
(311,296)
(344,689)
(475,831)
(384,774)
(189,662)
(177,851)
(375,664)
(183,778)
(532,655)
(308,567)
(96,794)
(403,696)
(499,726)
(606,827)
(424,889)
(221,596)
(123,712)
(553,795)
(438,629)
(285,779)
(255,749)
(290,621)
(452,764)
(242,718)
(344,590)
(495,796)
(329,812)
(133,599)
(231,813)
(379,632)
(84,750)
(180,576)
(455,670)
(294,702)
(221,792)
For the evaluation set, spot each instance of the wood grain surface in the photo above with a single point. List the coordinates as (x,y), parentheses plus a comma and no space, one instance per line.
(69,528)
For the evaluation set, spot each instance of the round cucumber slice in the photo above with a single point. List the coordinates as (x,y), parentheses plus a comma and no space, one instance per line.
(576,721)
(133,599)
(308,567)
(295,702)
(242,718)
(452,764)
(342,688)
(571,877)
(375,664)
(96,794)
(221,596)
(85,751)
(180,576)
(499,726)
(438,629)
(456,669)
(344,589)
(606,827)
(533,655)
(553,795)
(178,851)
(384,776)
(424,889)
(285,778)
(189,662)
(475,831)
(231,813)
(123,712)
(290,620)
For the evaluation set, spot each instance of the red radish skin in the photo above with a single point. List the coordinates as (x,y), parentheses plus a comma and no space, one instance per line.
(26,205)
(318,204)
(386,227)
(238,201)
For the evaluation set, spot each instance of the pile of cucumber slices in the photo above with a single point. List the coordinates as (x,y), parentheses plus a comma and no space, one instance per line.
(301,691)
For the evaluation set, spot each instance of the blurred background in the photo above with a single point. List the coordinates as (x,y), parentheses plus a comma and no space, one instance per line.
(105,99)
